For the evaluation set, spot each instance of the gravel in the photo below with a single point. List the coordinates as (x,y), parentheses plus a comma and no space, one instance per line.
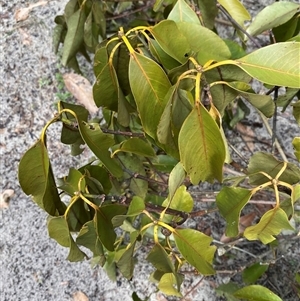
(34,267)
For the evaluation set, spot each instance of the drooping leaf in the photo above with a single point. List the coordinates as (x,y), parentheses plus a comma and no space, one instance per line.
(59,230)
(264,103)
(164,33)
(36,179)
(204,42)
(236,10)
(74,37)
(176,178)
(273,15)
(182,12)
(202,150)
(286,31)
(99,143)
(271,223)
(269,164)
(231,201)
(276,64)
(296,111)
(91,33)
(208,13)
(296,145)
(285,99)
(136,146)
(99,17)
(195,248)
(72,183)
(166,285)
(256,293)
(125,259)
(149,85)
(296,194)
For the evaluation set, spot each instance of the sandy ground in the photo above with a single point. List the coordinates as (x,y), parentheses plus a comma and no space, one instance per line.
(33,267)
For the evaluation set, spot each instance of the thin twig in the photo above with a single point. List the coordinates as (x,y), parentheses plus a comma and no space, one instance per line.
(130,134)
(224,11)
(274,120)
(193,288)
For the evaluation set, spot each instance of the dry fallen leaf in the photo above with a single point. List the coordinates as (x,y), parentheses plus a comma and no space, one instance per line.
(82,90)
(5,197)
(245,221)
(80,296)
(23,13)
(26,39)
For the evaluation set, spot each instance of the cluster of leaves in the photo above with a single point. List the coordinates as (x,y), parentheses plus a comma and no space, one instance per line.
(164,90)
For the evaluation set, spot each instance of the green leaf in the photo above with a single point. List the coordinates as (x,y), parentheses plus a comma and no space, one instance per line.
(70,183)
(136,146)
(103,224)
(149,85)
(195,247)
(296,111)
(182,12)
(269,164)
(272,16)
(99,143)
(36,179)
(88,238)
(208,13)
(256,293)
(58,229)
(164,33)
(99,17)
(264,103)
(202,150)
(287,30)
(254,272)
(74,37)
(176,178)
(204,42)
(296,145)
(236,10)
(125,262)
(166,285)
(271,223)
(235,49)
(231,201)
(296,194)
(226,290)
(276,64)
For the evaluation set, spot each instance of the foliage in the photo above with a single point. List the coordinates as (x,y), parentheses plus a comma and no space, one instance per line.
(166,83)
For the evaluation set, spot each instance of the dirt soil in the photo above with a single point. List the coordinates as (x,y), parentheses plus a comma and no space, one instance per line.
(34,267)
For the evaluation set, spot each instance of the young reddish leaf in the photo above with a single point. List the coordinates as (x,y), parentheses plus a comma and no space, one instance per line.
(271,223)
(230,201)
(201,147)
(195,247)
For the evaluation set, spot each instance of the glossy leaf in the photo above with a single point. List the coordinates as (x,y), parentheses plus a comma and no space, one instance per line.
(36,179)
(202,150)
(273,15)
(195,247)
(182,12)
(296,145)
(164,33)
(136,146)
(59,230)
(271,223)
(149,86)
(74,37)
(236,10)
(276,64)
(264,103)
(261,294)
(269,164)
(204,42)
(231,201)
(99,143)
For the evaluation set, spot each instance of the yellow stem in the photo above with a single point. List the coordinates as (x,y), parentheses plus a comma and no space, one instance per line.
(111,56)
(72,202)
(260,187)
(89,202)
(281,170)
(198,88)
